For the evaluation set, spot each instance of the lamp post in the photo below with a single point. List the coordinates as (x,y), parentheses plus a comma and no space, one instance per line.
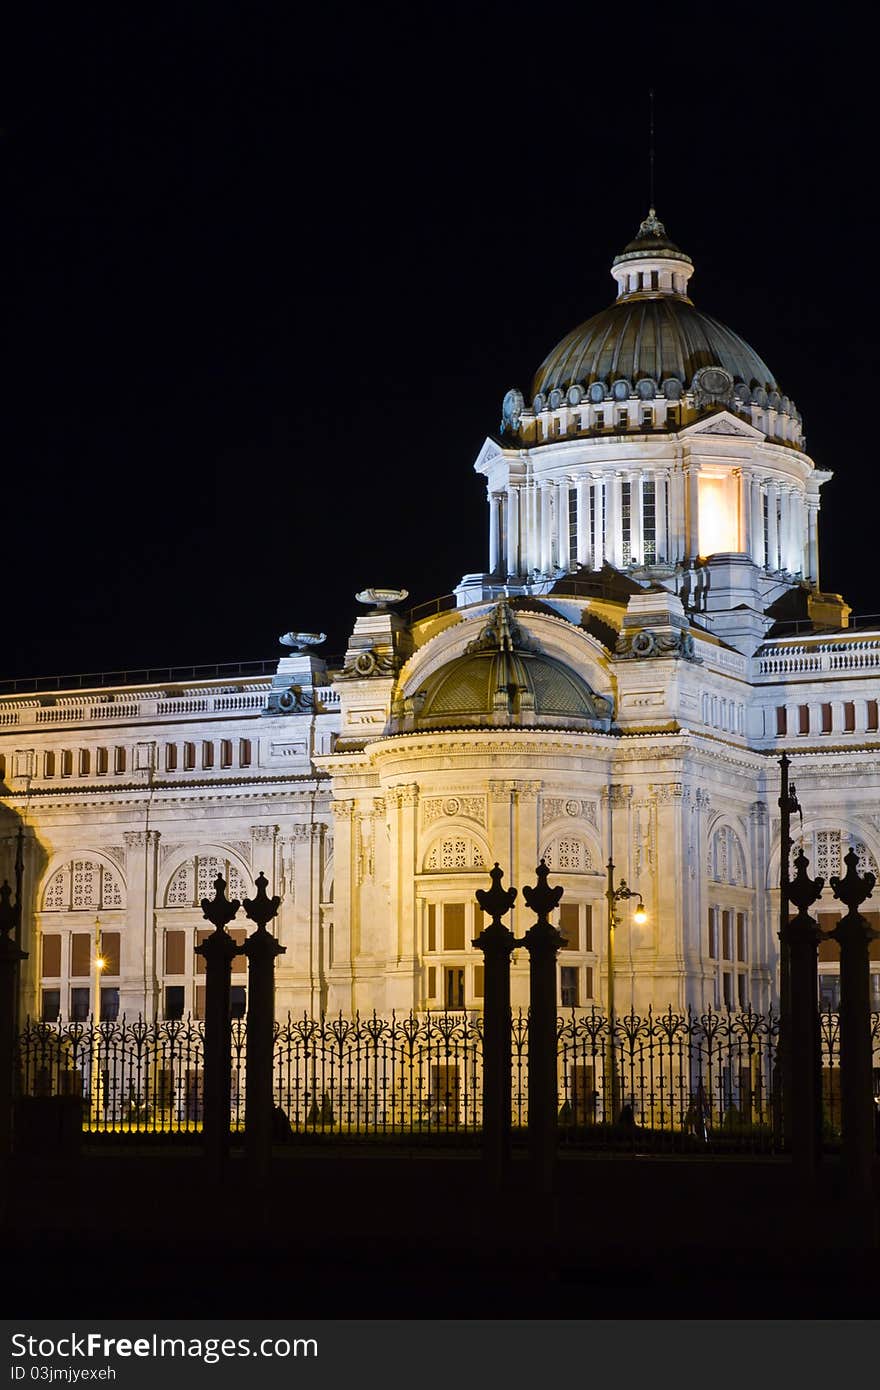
(613,896)
(787,803)
(100,964)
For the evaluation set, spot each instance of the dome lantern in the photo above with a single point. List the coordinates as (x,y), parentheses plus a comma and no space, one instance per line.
(651,264)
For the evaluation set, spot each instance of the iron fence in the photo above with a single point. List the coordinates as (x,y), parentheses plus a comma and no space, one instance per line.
(672,1080)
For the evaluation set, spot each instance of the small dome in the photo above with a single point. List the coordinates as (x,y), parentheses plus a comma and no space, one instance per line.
(500,681)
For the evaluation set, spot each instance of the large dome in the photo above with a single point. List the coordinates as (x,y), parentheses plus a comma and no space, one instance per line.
(653,338)
(651,345)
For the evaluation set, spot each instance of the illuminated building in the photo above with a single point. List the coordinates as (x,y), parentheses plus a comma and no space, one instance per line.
(647,637)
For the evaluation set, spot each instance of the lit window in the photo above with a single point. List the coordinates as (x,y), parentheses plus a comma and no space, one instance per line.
(453,927)
(569,926)
(432,927)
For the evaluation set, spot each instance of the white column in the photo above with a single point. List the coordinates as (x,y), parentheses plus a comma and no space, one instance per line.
(494,530)
(583,521)
(613,534)
(756,511)
(533,555)
(544,504)
(661,545)
(813,540)
(693,511)
(599,526)
(512,529)
(787,528)
(636,548)
(799,539)
(676,516)
(563,538)
(745,512)
(772,527)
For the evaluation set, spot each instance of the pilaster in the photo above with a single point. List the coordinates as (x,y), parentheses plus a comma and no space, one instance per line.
(140,995)
(402,988)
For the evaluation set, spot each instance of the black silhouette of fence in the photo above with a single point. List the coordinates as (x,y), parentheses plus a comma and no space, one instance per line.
(687,1079)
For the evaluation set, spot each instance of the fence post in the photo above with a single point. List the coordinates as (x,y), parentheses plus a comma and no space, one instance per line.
(542,941)
(11,957)
(218,950)
(800,940)
(261,949)
(497,943)
(856,1090)
(785,1051)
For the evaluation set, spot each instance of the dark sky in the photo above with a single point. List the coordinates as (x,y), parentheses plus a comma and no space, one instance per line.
(270,271)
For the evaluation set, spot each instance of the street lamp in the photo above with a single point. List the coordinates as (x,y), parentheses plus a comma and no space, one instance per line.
(613,897)
(100,964)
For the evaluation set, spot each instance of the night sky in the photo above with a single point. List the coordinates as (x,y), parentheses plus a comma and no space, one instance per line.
(270,271)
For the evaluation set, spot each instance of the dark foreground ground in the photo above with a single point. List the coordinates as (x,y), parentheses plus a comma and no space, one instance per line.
(368,1234)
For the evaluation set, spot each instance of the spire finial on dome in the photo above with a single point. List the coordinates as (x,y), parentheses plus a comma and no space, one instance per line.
(651,226)
(651,152)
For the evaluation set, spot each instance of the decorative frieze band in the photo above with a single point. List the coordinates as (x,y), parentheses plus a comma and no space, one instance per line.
(555,807)
(454,807)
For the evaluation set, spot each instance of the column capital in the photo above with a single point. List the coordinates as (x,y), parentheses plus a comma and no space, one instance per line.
(139,839)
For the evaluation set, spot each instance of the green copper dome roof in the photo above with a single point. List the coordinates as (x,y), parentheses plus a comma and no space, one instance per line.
(502,680)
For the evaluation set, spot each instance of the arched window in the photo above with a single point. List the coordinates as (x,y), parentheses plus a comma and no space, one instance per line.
(194,880)
(83,885)
(454,851)
(569,854)
(825,850)
(727,862)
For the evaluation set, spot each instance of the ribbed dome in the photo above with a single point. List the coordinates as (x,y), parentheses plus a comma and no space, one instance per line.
(652,332)
(501,687)
(500,680)
(650,338)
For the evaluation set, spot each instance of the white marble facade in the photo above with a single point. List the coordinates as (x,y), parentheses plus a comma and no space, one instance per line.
(611,686)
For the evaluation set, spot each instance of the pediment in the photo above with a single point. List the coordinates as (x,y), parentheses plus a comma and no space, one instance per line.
(490,451)
(724,423)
